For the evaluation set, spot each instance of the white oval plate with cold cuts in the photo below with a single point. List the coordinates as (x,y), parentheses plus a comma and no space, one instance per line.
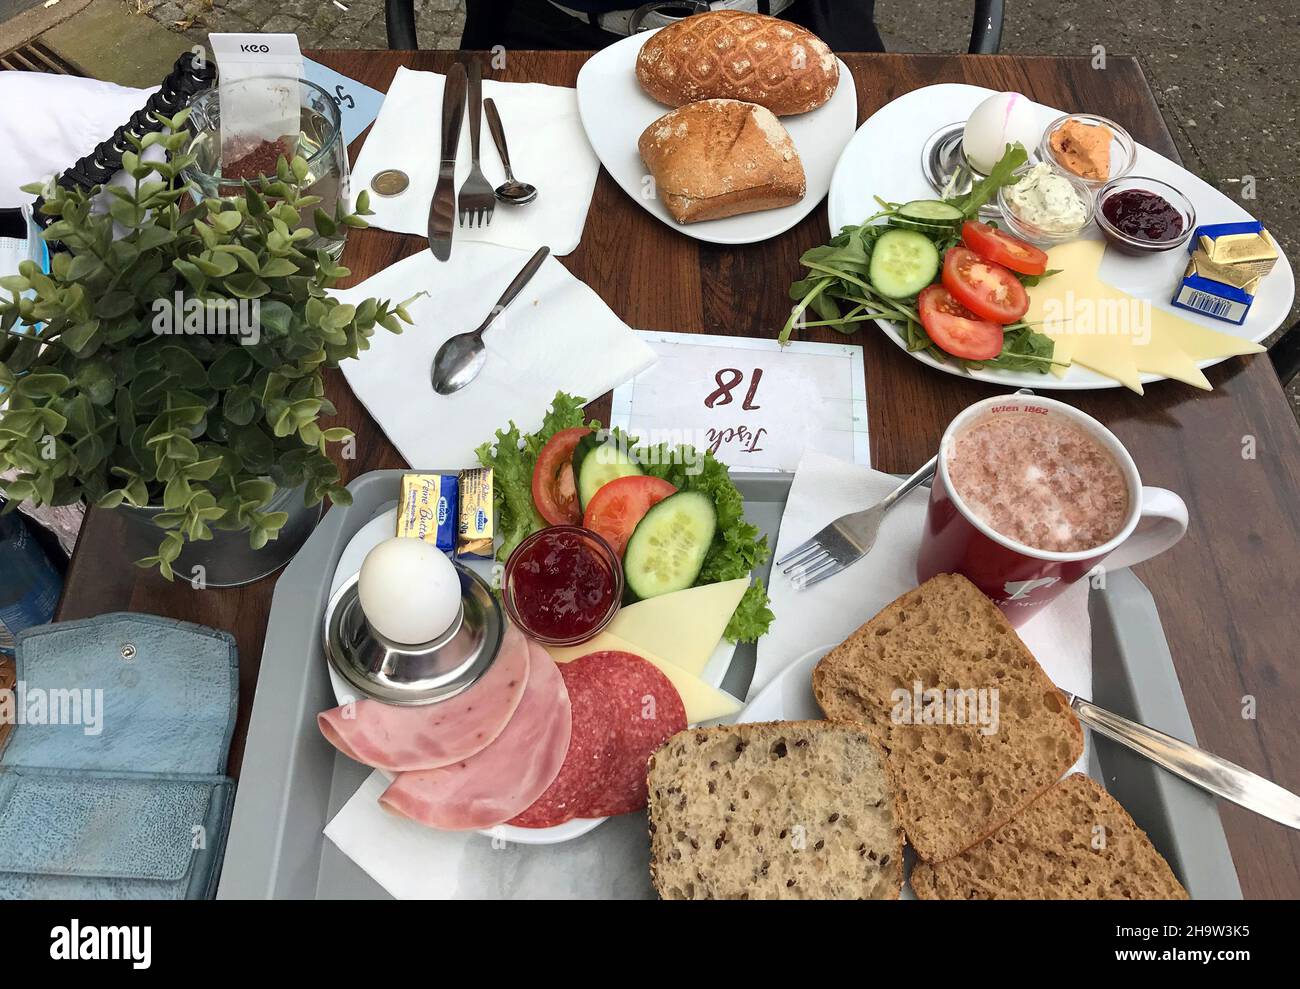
(615,110)
(884,159)
(381,528)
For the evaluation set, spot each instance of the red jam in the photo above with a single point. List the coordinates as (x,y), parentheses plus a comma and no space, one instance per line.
(1143,215)
(562,585)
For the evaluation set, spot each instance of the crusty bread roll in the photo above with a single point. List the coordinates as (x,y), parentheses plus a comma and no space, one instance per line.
(721,158)
(730,54)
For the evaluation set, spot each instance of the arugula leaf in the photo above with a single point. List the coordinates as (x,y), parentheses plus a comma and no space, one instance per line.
(512,457)
(986,188)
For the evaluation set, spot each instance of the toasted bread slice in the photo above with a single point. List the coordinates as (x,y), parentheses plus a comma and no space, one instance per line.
(1075,842)
(776,810)
(965,759)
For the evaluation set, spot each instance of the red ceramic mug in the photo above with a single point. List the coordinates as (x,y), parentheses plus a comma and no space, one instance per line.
(1019,578)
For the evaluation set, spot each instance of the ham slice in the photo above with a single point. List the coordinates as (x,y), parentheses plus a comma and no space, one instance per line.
(402,739)
(506,777)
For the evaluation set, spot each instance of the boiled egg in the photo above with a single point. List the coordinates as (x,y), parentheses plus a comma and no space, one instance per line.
(409,591)
(1002,119)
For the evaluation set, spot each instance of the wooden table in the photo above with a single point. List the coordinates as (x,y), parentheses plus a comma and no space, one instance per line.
(1227,594)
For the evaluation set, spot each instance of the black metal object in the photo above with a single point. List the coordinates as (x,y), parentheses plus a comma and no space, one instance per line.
(1285,355)
(985,38)
(399,21)
(986,31)
(188,77)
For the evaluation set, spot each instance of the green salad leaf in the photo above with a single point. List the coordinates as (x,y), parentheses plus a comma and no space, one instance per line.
(738,547)
(512,457)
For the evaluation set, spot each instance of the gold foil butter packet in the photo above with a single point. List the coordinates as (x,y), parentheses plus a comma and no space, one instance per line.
(428,509)
(476,527)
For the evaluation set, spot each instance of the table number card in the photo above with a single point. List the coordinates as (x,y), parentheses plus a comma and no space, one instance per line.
(755,404)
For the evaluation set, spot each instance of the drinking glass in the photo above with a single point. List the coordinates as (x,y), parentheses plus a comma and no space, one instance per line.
(221,166)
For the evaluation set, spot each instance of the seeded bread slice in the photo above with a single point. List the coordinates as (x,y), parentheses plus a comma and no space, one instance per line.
(957,782)
(775,810)
(1075,842)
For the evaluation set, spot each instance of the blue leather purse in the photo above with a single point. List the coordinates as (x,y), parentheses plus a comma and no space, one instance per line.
(113,784)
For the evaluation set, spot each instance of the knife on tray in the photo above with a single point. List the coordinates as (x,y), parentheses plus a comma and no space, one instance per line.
(442,211)
(1208,771)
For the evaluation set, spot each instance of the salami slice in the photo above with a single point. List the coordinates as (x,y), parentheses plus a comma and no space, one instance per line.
(645,710)
(507,776)
(405,739)
(593,748)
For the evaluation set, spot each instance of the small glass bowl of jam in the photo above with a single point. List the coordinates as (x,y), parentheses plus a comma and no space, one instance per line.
(1144,216)
(562,585)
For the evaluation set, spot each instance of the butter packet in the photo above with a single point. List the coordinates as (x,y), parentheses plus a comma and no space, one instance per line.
(476,527)
(1227,262)
(428,508)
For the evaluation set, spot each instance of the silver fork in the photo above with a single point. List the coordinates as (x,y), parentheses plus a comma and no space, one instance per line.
(477,199)
(846,540)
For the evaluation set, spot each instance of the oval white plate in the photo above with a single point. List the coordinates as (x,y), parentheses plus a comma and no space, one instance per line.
(884,159)
(381,527)
(374,532)
(615,110)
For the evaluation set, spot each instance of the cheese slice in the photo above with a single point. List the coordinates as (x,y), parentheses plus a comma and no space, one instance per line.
(702,702)
(1095,337)
(683,627)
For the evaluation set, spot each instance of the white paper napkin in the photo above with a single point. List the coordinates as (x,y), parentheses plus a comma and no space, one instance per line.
(824,488)
(415,862)
(556,336)
(548,149)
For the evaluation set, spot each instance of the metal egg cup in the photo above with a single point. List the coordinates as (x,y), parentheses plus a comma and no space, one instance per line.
(394,673)
(948,170)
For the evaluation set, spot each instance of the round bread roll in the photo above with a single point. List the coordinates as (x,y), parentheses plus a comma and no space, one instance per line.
(731,54)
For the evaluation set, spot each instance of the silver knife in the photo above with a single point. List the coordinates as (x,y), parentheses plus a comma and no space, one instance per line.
(1210,772)
(442,211)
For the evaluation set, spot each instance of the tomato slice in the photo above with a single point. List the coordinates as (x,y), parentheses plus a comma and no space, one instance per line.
(987,289)
(955,329)
(999,246)
(618,505)
(554,492)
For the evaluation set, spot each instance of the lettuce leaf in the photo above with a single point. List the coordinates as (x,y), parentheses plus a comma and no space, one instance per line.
(512,457)
(738,548)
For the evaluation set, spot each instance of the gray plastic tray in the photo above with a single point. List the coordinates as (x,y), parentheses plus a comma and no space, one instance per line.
(293,781)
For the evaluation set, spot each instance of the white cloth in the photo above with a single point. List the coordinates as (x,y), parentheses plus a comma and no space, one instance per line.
(548,148)
(414,862)
(824,488)
(49,121)
(557,336)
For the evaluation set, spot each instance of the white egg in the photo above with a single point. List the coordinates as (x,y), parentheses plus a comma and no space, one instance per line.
(1002,119)
(410,592)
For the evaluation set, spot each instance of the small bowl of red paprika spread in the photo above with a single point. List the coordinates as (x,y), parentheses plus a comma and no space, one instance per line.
(562,585)
(1144,216)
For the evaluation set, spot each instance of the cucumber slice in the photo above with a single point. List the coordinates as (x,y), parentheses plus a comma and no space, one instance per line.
(668,545)
(902,263)
(932,211)
(932,229)
(598,461)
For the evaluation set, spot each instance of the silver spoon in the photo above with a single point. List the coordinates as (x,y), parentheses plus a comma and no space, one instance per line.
(460,359)
(511,191)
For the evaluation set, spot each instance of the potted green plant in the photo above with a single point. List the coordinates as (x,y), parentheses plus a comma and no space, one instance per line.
(126,386)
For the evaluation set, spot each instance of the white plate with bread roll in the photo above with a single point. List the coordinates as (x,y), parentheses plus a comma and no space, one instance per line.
(725,125)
